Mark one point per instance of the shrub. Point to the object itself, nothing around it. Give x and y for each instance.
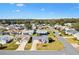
(51, 40)
(30, 41)
(44, 45)
(2, 47)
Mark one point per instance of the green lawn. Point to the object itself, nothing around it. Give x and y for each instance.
(11, 46)
(72, 40)
(51, 46)
(34, 35)
(28, 46)
(1, 35)
(56, 45)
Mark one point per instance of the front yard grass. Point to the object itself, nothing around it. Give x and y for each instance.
(72, 40)
(51, 46)
(1, 35)
(56, 45)
(11, 46)
(28, 46)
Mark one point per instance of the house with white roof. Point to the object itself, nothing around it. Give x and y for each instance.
(28, 32)
(1, 27)
(15, 26)
(33, 26)
(68, 24)
(76, 35)
(71, 32)
(41, 32)
(5, 39)
(59, 27)
(42, 39)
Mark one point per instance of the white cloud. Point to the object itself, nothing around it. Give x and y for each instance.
(20, 4)
(42, 9)
(18, 10)
(12, 3)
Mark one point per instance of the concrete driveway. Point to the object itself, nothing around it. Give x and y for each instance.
(22, 44)
(34, 44)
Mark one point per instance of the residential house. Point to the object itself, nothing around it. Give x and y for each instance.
(42, 39)
(28, 32)
(42, 32)
(76, 35)
(5, 39)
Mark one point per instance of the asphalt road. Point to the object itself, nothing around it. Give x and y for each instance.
(69, 49)
(31, 53)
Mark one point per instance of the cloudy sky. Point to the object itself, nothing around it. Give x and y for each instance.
(39, 10)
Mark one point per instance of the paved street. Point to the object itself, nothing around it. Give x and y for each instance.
(69, 49)
(31, 53)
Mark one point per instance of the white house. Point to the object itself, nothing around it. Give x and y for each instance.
(33, 26)
(60, 27)
(42, 39)
(71, 32)
(68, 24)
(77, 35)
(1, 27)
(15, 26)
(41, 32)
(6, 38)
(29, 32)
(67, 28)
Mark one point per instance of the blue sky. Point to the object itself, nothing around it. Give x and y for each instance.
(39, 10)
